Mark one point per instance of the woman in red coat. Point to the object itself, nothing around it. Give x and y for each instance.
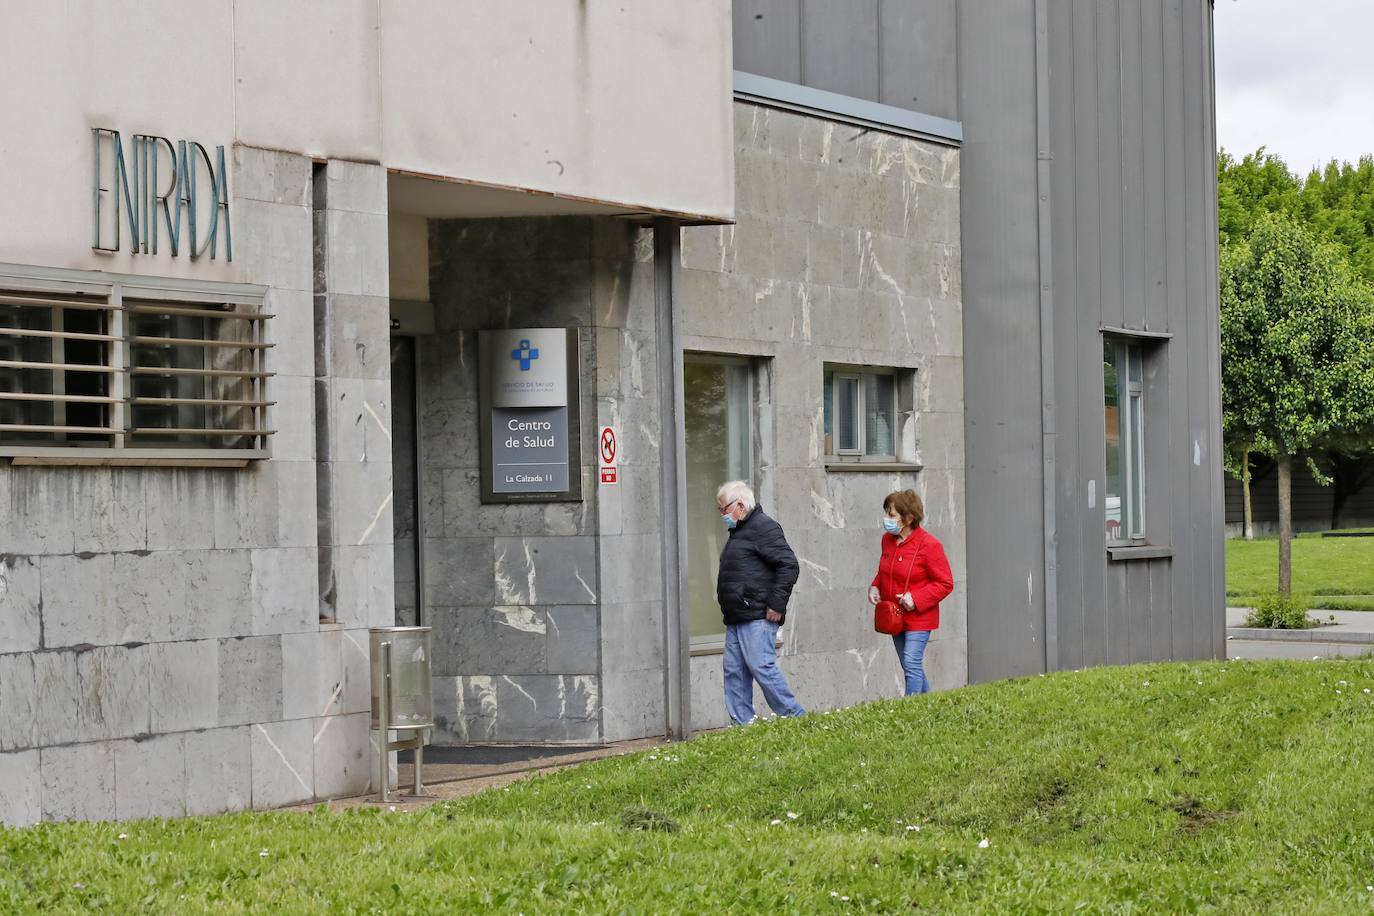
(913, 572)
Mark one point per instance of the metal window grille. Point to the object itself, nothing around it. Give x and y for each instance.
(132, 372)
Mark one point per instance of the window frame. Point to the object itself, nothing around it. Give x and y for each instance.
(1130, 353)
(23, 281)
(831, 373)
(756, 398)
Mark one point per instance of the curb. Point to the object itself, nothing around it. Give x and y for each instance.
(1314, 634)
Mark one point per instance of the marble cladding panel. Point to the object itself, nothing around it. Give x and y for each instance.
(283, 763)
(21, 804)
(221, 761)
(517, 639)
(342, 762)
(151, 777)
(20, 604)
(250, 680)
(77, 782)
(516, 709)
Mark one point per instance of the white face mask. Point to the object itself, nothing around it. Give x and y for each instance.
(891, 525)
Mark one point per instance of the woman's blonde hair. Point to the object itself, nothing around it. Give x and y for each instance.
(908, 505)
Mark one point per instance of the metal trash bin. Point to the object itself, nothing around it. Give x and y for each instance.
(402, 698)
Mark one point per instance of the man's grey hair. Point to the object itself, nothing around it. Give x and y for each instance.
(737, 490)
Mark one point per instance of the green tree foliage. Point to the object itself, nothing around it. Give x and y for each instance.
(1297, 341)
(1338, 203)
(1335, 202)
(1249, 187)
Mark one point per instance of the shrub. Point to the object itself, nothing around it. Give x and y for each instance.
(1281, 612)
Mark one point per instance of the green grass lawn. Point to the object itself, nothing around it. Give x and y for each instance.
(1237, 787)
(1337, 572)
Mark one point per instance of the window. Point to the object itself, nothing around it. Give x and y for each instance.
(1124, 399)
(860, 414)
(131, 371)
(718, 403)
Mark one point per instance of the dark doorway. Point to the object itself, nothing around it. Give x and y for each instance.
(405, 471)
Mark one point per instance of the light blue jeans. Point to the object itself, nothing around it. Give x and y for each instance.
(911, 650)
(750, 655)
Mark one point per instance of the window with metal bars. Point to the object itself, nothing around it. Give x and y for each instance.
(135, 371)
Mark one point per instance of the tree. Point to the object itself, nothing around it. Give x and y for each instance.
(1250, 187)
(1337, 202)
(1297, 347)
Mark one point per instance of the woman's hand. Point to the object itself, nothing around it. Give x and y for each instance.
(873, 595)
(906, 603)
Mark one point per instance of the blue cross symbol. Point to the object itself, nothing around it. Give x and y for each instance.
(525, 354)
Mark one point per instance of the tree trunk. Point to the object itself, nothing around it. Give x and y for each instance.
(1285, 462)
(1245, 490)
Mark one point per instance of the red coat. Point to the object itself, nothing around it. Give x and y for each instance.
(917, 566)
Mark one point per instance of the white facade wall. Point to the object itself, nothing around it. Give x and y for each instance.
(627, 104)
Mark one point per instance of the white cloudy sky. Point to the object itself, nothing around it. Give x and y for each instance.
(1296, 76)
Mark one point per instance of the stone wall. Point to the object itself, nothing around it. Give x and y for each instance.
(161, 651)
(513, 590)
(846, 250)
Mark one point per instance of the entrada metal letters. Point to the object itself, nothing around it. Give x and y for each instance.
(529, 415)
(195, 188)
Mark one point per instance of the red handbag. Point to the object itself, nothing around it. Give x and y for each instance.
(887, 618)
(887, 615)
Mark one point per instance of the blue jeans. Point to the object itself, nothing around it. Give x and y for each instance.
(911, 650)
(750, 656)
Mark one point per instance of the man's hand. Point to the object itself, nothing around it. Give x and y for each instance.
(773, 616)
(874, 596)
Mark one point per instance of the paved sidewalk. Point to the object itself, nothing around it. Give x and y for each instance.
(1352, 634)
(456, 772)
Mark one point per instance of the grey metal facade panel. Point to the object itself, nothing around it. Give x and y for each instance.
(1175, 200)
(768, 38)
(1106, 34)
(1132, 237)
(1001, 328)
(1072, 514)
(839, 46)
(917, 66)
(897, 52)
(1214, 624)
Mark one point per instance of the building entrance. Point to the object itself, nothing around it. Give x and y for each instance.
(405, 475)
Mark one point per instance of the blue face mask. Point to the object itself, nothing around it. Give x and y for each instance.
(729, 521)
(891, 525)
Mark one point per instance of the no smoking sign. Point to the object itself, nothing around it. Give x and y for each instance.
(608, 450)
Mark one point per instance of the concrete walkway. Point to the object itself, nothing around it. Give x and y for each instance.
(455, 772)
(1352, 634)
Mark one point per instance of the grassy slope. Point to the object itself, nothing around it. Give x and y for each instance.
(1337, 572)
(1238, 786)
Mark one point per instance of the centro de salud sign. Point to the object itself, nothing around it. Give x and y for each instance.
(529, 417)
(155, 184)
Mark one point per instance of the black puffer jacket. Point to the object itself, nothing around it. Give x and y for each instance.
(757, 570)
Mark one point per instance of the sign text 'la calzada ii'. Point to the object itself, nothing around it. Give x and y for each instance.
(155, 184)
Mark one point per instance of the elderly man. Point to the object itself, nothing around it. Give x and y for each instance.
(757, 572)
